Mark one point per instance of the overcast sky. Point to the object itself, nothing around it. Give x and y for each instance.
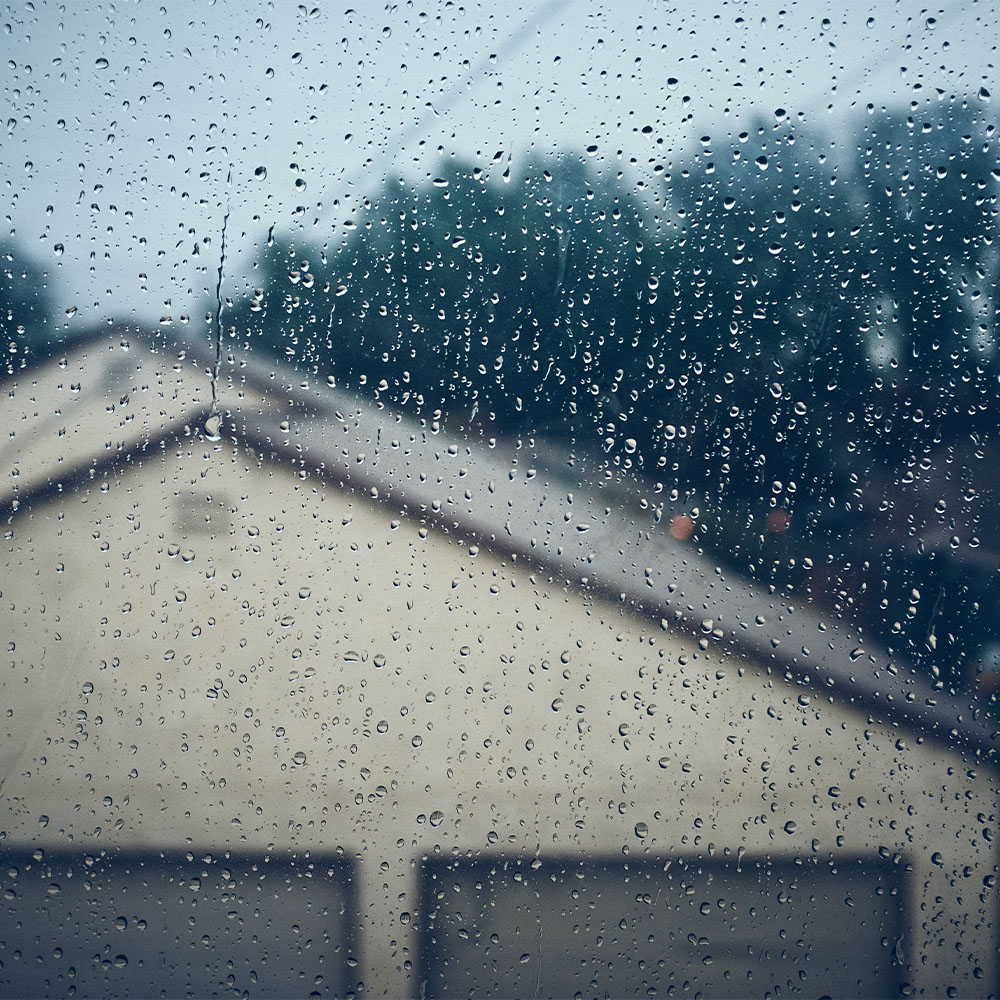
(124, 120)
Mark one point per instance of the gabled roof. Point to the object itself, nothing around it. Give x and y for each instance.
(111, 398)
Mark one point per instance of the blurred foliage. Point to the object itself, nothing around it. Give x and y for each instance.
(25, 306)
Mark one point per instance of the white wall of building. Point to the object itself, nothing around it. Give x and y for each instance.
(208, 651)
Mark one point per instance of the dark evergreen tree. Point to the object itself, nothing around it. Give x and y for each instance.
(25, 306)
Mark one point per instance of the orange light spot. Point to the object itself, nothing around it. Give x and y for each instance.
(681, 527)
(778, 521)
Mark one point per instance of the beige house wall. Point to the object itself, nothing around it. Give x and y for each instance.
(209, 652)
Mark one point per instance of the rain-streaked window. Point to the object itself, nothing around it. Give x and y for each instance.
(498, 500)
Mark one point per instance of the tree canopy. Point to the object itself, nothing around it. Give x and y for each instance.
(25, 305)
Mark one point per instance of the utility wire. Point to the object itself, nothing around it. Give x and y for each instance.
(453, 95)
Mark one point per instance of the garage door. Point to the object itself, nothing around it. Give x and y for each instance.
(174, 925)
(530, 928)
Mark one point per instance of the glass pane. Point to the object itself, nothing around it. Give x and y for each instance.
(486, 471)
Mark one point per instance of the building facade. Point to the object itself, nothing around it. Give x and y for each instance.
(338, 698)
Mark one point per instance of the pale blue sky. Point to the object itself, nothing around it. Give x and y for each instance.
(123, 119)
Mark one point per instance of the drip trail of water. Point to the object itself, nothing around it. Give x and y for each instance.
(213, 424)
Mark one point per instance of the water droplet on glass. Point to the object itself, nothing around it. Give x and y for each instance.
(213, 427)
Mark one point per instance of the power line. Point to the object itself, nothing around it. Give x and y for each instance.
(454, 94)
